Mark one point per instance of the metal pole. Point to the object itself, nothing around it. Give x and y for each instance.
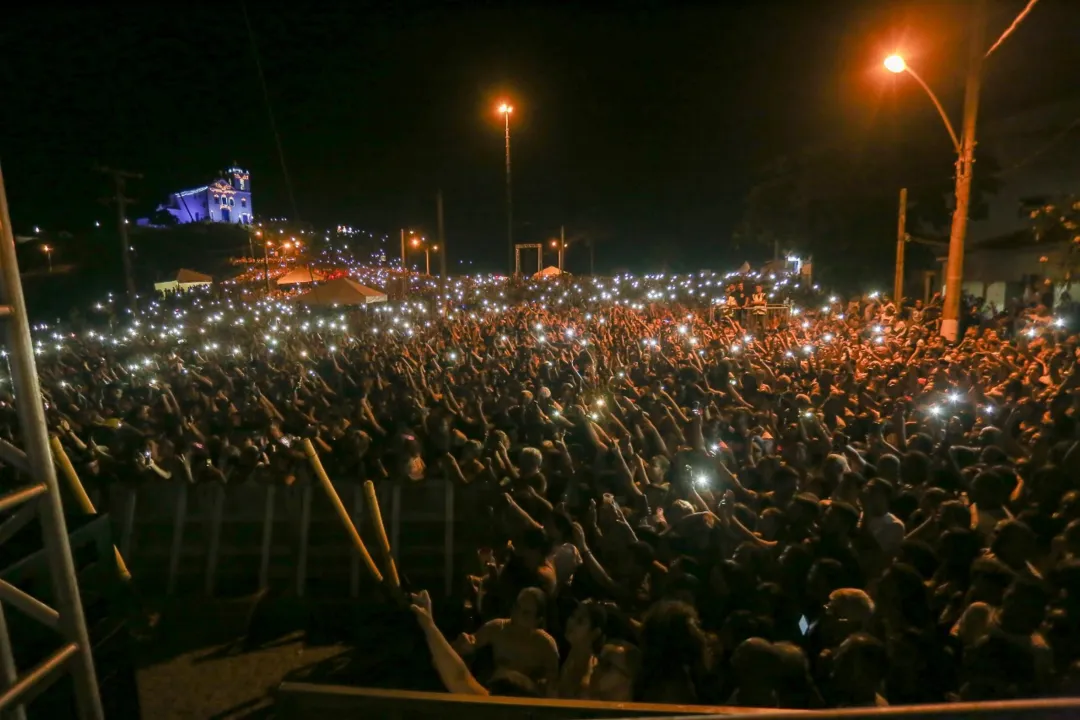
(442, 234)
(427, 261)
(305, 529)
(267, 538)
(402, 249)
(509, 200)
(954, 273)
(177, 546)
(901, 239)
(266, 264)
(562, 245)
(31, 413)
(121, 213)
(8, 670)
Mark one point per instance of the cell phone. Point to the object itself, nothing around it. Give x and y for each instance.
(804, 625)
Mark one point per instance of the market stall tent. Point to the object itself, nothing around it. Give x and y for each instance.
(549, 271)
(185, 279)
(300, 275)
(341, 291)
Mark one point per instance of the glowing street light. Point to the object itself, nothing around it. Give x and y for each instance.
(895, 64)
(505, 109)
(428, 249)
(965, 150)
(47, 249)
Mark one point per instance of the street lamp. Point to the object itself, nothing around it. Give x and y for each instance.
(47, 249)
(965, 150)
(895, 64)
(404, 268)
(506, 109)
(266, 264)
(560, 245)
(419, 242)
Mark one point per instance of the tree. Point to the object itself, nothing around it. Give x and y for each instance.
(839, 205)
(1054, 219)
(163, 218)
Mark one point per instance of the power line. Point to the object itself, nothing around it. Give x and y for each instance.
(269, 109)
(1051, 143)
(1009, 30)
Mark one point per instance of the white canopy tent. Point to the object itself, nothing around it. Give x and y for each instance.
(299, 276)
(341, 291)
(185, 280)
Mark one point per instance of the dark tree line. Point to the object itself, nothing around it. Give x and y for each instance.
(840, 204)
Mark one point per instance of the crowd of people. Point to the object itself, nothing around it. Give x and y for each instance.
(831, 507)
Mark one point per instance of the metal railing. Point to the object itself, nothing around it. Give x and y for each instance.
(303, 700)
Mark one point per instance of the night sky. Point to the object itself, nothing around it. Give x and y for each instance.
(642, 125)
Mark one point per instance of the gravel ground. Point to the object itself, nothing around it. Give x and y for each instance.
(233, 686)
(193, 664)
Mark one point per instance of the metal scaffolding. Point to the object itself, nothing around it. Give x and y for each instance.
(41, 496)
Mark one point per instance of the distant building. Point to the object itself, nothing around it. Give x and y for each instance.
(226, 200)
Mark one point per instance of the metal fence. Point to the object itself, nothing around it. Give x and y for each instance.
(178, 537)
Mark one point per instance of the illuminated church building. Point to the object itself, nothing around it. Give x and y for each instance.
(226, 200)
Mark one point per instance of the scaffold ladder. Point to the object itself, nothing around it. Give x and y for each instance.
(41, 497)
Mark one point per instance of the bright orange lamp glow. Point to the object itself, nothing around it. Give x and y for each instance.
(506, 109)
(895, 64)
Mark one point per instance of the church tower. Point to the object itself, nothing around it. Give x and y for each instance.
(240, 180)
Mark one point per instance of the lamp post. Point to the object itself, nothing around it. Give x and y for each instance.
(427, 253)
(251, 243)
(266, 264)
(560, 244)
(965, 150)
(47, 249)
(506, 109)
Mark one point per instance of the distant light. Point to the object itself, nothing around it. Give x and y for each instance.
(37, 229)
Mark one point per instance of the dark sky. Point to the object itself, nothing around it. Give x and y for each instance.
(643, 122)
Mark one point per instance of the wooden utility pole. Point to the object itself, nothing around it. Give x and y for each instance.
(901, 240)
(120, 178)
(954, 271)
(442, 234)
